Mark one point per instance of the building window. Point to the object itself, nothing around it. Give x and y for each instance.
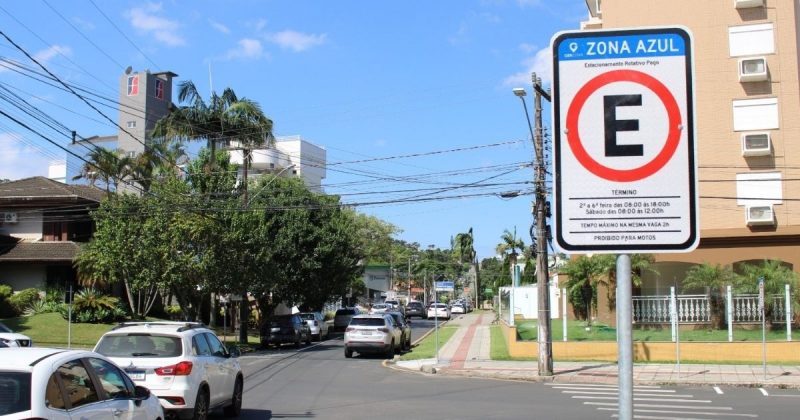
(761, 188)
(755, 114)
(133, 85)
(159, 89)
(131, 124)
(751, 40)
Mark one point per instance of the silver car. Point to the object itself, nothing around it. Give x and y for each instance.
(316, 322)
(377, 333)
(343, 316)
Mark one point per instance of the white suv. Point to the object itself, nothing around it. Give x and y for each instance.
(183, 363)
(378, 333)
(9, 338)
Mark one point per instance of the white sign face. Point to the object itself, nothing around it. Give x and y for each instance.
(624, 149)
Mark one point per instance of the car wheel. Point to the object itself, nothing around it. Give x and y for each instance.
(390, 352)
(348, 353)
(308, 339)
(317, 337)
(297, 342)
(201, 405)
(235, 408)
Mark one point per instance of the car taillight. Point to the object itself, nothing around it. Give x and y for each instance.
(175, 400)
(384, 330)
(316, 323)
(180, 369)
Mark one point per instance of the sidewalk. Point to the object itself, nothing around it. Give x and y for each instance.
(467, 353)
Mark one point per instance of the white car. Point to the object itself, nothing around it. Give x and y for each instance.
(438, 310)
(458, 308)
(379, 308)
(378, 333)
(183, 363)
(9, 338)
(58, 384)
(316, 322)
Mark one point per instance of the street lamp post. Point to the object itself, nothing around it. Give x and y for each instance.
(544, 335)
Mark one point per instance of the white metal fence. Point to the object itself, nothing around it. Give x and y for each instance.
(696, 309)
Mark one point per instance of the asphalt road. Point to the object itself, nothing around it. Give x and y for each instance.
(317, 382)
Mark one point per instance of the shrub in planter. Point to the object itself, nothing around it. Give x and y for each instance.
(22, 300)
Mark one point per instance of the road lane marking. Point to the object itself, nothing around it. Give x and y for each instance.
(575, 388)
(717, 390)
(704, 407)
(591, 397)
(763, 391)
(697, 413)
(557, 384)
(641, 394)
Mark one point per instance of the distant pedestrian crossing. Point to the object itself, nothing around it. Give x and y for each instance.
(650, 402)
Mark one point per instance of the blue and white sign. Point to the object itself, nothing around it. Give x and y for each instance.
(624, 148)
(444, 286)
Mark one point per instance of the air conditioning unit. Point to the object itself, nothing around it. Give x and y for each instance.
(759, 215)
(756, 144)
(9, 217)
(746, 4)
(753, 69)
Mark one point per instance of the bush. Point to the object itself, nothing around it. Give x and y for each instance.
(22, 300)
(91, 306)
(6, 310)
(41, 307)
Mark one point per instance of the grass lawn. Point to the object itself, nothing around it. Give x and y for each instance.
(576, 331)
(498, 349)
(50, 330)
(426, 349)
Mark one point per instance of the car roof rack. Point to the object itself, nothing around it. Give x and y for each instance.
(182, 326)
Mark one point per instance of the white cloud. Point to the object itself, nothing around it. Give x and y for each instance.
(18, 160)
(540, 63)
(296, 41)
(219, 27)
(528, 48)
(147, 20)
(47, 54)
(246, 48)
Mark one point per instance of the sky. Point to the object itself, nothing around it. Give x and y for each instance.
(412, 100)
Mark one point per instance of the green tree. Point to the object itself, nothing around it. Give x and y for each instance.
(711, 279)
(106, 166)
(776, 275)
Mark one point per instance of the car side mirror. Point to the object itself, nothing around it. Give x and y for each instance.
(235, 352)
(140, 393)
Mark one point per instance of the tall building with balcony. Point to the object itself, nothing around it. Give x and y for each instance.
(747, 97)
(290, 156)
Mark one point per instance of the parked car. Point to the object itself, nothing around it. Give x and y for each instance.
(405, 329)
(183, 363)
(317, 325)
(60, 384)
(395, 304)
(376, 333)
(11, 339)
(343, 316)
(458, 308)
(438, 310)
(280, 329)
(415, 309)
(379, 308)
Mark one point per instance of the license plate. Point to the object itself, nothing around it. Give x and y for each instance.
(366, 332)
(136, 375)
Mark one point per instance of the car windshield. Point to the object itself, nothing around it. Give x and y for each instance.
(139, 345)
(345, 312)
(438, 305)
(15, 392)
(4, 329)
(371, 322)
(414, 305)
(281, 320)
(309, 317)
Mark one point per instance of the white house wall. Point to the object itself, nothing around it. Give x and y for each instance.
(28, 226)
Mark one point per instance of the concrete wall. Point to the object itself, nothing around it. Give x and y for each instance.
(24, 276)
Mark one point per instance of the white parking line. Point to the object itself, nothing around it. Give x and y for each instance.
(575, 388)
(717, 390)
(641, 394)
(704, 407)
(697, 413)
(660, 418)
(589, 397)
(763, 391)
(557, 384)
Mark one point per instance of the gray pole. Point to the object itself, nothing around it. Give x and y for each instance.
(625, 344)
(544, 335)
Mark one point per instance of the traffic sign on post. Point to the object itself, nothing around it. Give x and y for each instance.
(624, 143)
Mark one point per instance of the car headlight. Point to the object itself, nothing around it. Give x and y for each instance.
(4, 341)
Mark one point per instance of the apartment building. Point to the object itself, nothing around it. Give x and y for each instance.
(747, 124)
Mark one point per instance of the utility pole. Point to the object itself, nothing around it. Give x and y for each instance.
(539, 229)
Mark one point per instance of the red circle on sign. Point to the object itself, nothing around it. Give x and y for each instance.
(624, 175)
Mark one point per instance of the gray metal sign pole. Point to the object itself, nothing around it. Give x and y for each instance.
(625, 334)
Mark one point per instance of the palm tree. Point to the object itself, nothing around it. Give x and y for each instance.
(161, 156)
(510, 243)
(775, 274)
(584, 274)
(104, 165)
(224, 117)
(465, 242)
(711, 278)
